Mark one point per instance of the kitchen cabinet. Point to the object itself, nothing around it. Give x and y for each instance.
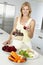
(37, 41)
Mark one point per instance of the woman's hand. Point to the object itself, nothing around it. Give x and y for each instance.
(6, 42)
(26, 28)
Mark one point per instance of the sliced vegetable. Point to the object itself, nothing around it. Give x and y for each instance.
(23, 53)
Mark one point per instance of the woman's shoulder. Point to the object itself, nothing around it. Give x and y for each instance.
(17, 18)
(33, 21)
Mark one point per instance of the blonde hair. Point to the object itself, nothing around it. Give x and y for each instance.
(26, 4)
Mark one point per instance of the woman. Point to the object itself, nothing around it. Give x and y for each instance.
(25, 24)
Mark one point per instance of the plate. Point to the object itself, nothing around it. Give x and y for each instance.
(34, 54)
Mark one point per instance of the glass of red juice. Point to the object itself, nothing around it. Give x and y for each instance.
(26, 27)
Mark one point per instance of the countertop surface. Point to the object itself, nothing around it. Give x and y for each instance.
(4, 55)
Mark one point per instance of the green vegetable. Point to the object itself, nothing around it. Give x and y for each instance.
(24, 53)
(21, 52)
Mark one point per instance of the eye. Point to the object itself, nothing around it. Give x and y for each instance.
(23, 9)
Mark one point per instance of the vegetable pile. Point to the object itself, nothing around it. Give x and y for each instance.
(16, 58)
(26, 53)
(23, 53)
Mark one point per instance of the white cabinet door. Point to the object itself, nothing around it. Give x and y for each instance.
(37, 41)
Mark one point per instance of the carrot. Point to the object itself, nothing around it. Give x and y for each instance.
(19, 61)
(15, 55)
(12, 59)
(22, 60)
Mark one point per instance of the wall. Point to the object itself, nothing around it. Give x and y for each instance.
(37, 9)
(38, 14)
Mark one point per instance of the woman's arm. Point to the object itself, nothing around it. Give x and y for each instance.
(31, 30)
(14, 28)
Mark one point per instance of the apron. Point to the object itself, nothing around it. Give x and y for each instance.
(26, 42)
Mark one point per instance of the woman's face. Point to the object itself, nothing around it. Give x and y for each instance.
(25, 11)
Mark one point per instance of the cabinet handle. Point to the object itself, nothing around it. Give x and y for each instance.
(39, 48)
(40, 37)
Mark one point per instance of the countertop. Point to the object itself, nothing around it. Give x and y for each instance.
(4, 55)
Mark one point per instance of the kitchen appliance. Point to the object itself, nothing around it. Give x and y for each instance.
(7, 12)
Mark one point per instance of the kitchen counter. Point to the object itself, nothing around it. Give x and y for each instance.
(4, 55)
